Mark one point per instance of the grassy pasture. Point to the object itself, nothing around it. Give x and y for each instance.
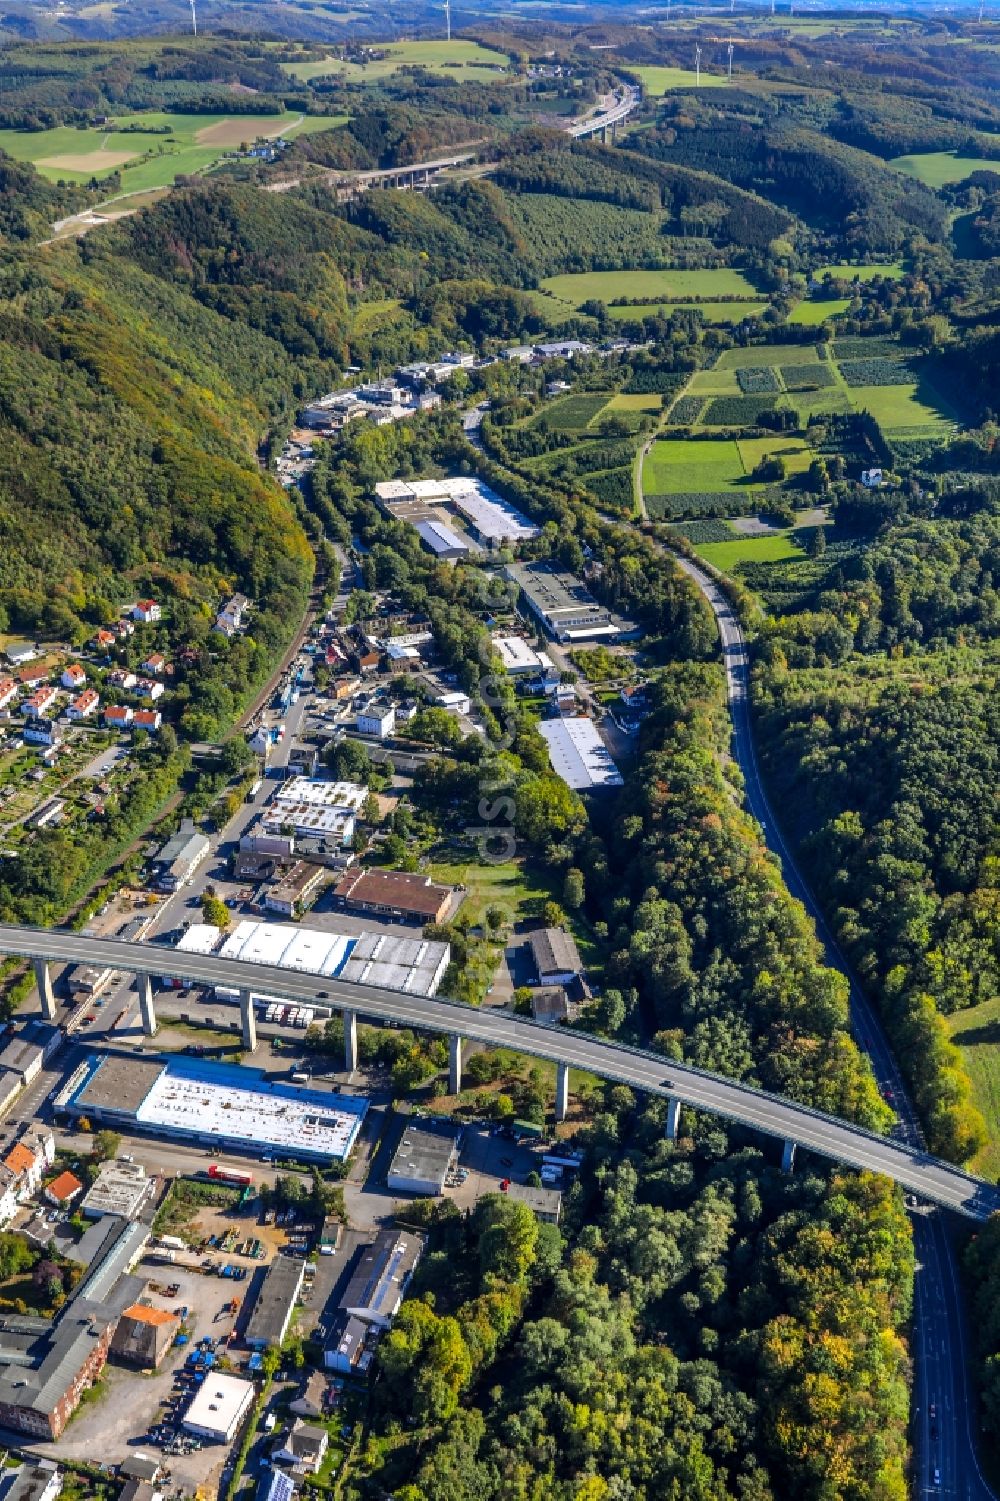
(712, 312)
(677, 466)
(811, 314)
(767, 354)
(771, 549)
(462, 60)
(191, 143)
(938, 168)
(656, 81)
(795, 451)
(578, 287)
(841, 271)
(903, 410)
(976, 1033)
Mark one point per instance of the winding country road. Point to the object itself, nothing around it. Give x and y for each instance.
(943, 1432)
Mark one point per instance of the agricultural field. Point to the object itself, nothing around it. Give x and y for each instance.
(158, 145)
(576, 288)
(712, 312)
(795, 452)
(976, 1032)
(461, 60)
(904, 411)
(812, 313)
(574, 413)
(657, 81)
(635, 403)
(935, 169)
(725, 556)
(769, 354)
(841, 271)
(676, 466)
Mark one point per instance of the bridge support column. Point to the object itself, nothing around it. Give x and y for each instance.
(604, 134)
(454, 1064)
(788, 1157)
(673, 1118)
(350, 1041)
(562, 1091)
(144, 987)
(43, 979)
(248, 1022)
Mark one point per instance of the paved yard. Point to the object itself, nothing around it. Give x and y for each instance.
(113, 1426)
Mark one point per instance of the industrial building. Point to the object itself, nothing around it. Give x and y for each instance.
(442, 540)
(565, 606)
(578, 754)
(545, 1203)
(120, 1188)
(521, 660)
(378, 1285)
(217, 1104)
(47, 1364)
(144, 1336)
(297, 888)
(557, 958)
(180, 857)
(275, 1304)
(219, 1407)
(422, 1161)
(31, 1482)
(393, 893)
(492, 520)
(315, 808)
(415, 966)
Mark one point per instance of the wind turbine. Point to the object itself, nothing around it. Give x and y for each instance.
(697, 64)
(730, 62)
(982, 7)
(447, 16)
(194, 18)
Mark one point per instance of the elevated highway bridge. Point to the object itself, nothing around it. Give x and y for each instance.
(793, 1124)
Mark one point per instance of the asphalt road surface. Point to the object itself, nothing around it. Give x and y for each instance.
(944, 1442)
(922, 1174)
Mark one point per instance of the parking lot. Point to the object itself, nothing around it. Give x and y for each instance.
(116, 1423)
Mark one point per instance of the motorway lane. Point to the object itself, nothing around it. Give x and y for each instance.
(936, 1181)
(944, 1443)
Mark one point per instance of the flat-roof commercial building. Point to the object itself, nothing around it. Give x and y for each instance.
(120, 1188)
(564, 605)
(493, 521)
(219, 1407)
(382, 1275)
(393, 961)
(578, 754)
(422, 1161)
(393, 893)
(520, 659)
(217, 1104)
(546, 1203)
(317, 809)
(272, 1312)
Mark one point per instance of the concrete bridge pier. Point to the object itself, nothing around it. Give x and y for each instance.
(454, 1064)
(788, 1157)
(350, 1041)
(673, 1118)
(144, 987)
(604, 134)
(248, 1021)
(43, 979)
(562, 1091)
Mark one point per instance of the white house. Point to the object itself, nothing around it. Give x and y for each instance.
(84, 706)
(148, 720)
(146, 611)
(73, 676)
(149, 688)
(40, 700)
(155, 663)
(8, 691)
(454, 703)
(377, 721)
(118, 716)
(872, 479)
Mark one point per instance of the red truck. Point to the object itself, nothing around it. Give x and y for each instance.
(230, 1175)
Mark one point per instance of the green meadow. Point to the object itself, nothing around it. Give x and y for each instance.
(712, 312)
(462, 60)
(577, 287)
(774, 548)
(173, 144)
(657, 81)
(811, 314)
(938, 168)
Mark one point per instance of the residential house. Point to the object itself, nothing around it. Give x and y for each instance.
(149, 688)
(144, 1336)
(103, 641)
(310, 1402)
(42, 731)
(28, 1160)
(73, 676)
(33, 676)
(42, 699)
(377, 721)
(155, 664)
(63, 1190)
(123, 629)
(146, 611)
(230, 618)
(85, 705)
(118, 716)
(122, 677)
(8, 691)
(303, 1447)
(38, 1481)
(19, 652)
(148, 720)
